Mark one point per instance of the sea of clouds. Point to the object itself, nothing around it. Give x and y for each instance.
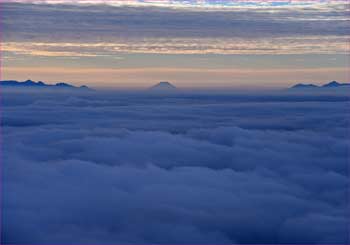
(133, 168)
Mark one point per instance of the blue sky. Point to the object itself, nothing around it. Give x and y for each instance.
(191, 43)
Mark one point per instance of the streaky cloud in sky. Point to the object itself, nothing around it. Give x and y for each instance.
(162, 30)
(279, 45)
(191, 3)
(119, 34)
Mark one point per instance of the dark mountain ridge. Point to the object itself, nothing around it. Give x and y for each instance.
(333, 84)
(39, 84)
(163, 86)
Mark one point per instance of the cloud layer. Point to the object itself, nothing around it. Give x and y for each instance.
(95, 30)
(193, 168)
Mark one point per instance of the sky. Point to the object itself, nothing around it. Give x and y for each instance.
(211, 44)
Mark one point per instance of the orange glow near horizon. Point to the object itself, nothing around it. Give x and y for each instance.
(182, 77)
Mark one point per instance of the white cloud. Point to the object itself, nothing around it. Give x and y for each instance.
(66, 30)
(286, 45)
(191, 168)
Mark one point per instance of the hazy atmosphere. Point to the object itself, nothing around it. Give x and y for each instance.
(175, 122)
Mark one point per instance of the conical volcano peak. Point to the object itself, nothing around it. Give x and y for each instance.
(163, 86)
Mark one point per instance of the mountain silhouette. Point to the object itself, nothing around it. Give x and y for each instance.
(303, 86)
(163, 86)
(335, 84)
(330, 85)
(39, 84)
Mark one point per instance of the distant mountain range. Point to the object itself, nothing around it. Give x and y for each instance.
(330, 85)
(163, 87)
(40, 84)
